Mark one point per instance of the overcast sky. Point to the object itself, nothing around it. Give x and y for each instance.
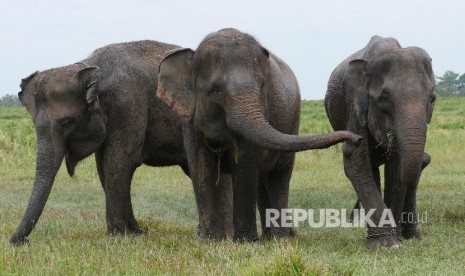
(311, 36)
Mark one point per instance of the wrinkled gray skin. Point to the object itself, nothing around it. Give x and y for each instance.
(241, 108)
(384, 93)
(105, 105)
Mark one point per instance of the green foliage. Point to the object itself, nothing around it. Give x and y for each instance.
(71, 239)
(451, 84)
(9, 101)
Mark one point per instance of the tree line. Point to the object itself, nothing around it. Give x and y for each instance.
(9, 101)
(450, 84)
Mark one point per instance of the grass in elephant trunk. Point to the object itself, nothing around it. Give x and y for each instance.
(71, 236)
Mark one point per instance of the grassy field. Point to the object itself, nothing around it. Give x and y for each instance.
(71, 235)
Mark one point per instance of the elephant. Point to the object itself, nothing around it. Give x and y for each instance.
(384, 93)
(240, 107)
(105, 104)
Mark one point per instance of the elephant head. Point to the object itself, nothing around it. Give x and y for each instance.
(223, 88)
(394, 97)
(64, 106)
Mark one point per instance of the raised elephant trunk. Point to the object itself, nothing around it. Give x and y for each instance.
(247, 119)
(49, 158)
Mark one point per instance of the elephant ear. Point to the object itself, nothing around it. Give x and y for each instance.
(266, 52)
(176, 84)
(23, 84)
(356, 79)
(89, 78)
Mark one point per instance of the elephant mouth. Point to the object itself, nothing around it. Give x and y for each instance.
(216, 146)
(70, 163)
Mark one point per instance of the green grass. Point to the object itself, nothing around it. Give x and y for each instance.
(71, 235)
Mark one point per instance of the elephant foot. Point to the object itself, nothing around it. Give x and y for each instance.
(212, 234)
(125, 228)
(245, 236)
(249, 239)
(282, 232)
(411, 231)
(382, 237)
(19, 240)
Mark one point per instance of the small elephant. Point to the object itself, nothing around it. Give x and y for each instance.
(384, 93)
(105, 105)
(240, 105)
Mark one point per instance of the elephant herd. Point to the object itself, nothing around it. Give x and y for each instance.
(228, 114)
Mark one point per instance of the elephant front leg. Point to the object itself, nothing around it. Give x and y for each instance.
(358, 169)
(213, 191)
(116, 168)
(394, 192)
(119, 212)
(208, 189)
(357, 205)
(226, 204)
(245, 178)
(225, 228)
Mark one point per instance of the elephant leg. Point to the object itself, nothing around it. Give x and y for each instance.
(263, 202)
(245, 179)
(121, 156)
(225, 186)
(273, 193)
(410, 228)
(359, 170)
(119, 211)
(358, 206)
(225, 208)
(225, 195)
(394, 191)
(213, 196)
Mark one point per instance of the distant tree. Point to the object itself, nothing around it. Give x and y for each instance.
(461, 82)
(451, 84)
(10, 100)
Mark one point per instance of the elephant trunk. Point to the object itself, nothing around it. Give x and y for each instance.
(411, 145)
(50, 154)
(244, 116)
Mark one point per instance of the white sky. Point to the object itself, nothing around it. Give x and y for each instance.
(311, 36)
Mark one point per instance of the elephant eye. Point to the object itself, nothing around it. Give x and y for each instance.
(67, 122)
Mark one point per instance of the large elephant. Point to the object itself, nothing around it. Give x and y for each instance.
(384, 93)
(241, 108)
(105, 105)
